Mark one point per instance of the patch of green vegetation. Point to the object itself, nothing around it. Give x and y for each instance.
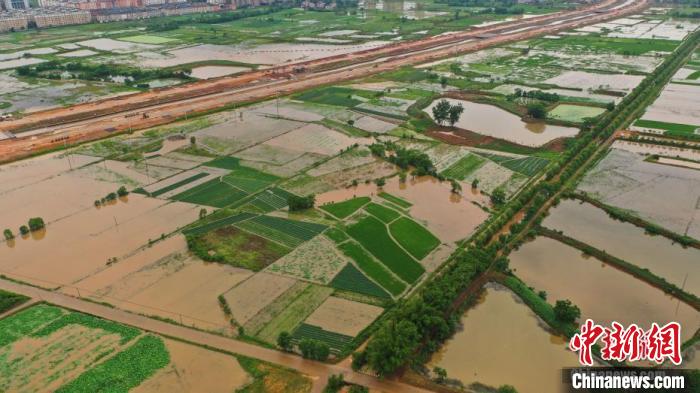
(9, 300)
(214, 193)
(5, 104)
(294, 314)
(337, 235)
(224, 162)
(395, 200)
(333, 95)
(24, 322)
(346, 208)
(575, 113)
(383, 213)
(621, 46)
(462, 168)
(235, 247)
(372, 234)
(372, 268)
(351, 279)
(672, 127)
(125, 370)
(336, 341)
(528, 166)
(178, 184)
(218, 223)
(127, 333)
(147, 39)
(413, 237)
(270, 378)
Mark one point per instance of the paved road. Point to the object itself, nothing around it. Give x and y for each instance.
(319, 372)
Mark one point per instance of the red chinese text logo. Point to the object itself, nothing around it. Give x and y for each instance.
(628, 344)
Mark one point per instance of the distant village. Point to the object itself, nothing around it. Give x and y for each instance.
(17, 15)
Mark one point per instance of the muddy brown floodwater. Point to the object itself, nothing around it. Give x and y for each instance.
(449, 216)
(602, 292)
(503, 342)
(660, 255)
(496, 122)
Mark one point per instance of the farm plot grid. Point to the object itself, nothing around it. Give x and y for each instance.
(528, 166)
(287, 232)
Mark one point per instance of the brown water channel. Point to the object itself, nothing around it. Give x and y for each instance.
(587, 223)
(504, 342)
(603, 293)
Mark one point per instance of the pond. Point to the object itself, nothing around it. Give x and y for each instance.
(493, 121)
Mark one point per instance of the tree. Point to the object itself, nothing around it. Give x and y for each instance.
(498, 197)
(297, 203)
(358, 389)
(351, 122)
(542, 294)
(36, 223)
(475, 183)
(441, 111)
(380, 182)
(314, 349)
(335, 383)
(193, 140)
(454, 114)
(202, 213)
(402, 177)
(24, 229)
(536, 110)
(122, 192)
(359, 359)
(284, 341)
(456, 187)
(566, 312)
(440, 374)
(443, 81)
(506, 389)
(8, 234)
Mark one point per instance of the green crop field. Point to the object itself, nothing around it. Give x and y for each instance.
(273, 234)
(299, 229)
(336, 235)
(338, 96)
(270, 200)
(345, 208)
(224, 162)
(395, 200)
(237, 247)
(671, 127)
(575, 113)
(372, 268)
(129, 367)
(372, 234)
(295, 313)
(351, 279)
(10, 300)
(528, 166)
(147, 39)
(335, 341)
(125, 370)
(622, 46)
(178, 184)
(220, 223)
(212, 193)
(462, 168)
(413, 237)
(383, 213)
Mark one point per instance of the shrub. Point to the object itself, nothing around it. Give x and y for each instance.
(297, 203)
(314, 349)
(8, 234)
(36, 223)
(24, 229)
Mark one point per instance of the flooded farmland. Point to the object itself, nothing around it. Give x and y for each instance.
(602, 292)
(449, 216)
(501, 333)
(593, 226)
(208, 72)
(493, 121)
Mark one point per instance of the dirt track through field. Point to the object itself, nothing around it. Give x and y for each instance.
(319, 372)
(101, 119)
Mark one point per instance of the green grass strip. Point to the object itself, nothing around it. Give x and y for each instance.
(661, 125)
(395, 200)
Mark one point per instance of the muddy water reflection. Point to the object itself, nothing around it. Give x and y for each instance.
(603, 293)
(503, 342)
(585, 222)
(449, 216)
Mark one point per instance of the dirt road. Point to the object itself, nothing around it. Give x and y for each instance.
(100, 125)
(319, 372)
